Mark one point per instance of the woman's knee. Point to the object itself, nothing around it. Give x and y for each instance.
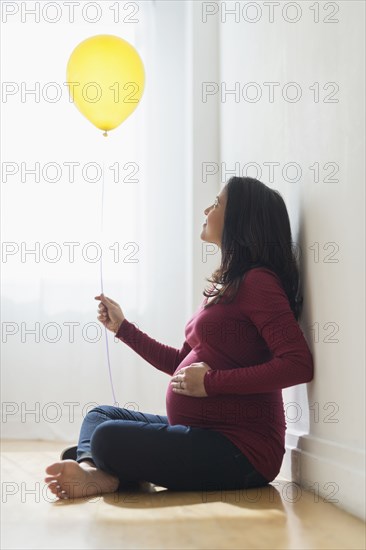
(100, 409)
(99, 414)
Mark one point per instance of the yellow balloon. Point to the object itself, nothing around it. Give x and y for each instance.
(106, 79)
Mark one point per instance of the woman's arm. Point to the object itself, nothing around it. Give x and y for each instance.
(264, 301)
(164, 358)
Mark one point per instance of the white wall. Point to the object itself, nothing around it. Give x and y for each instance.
(325, 447)
(203, 134)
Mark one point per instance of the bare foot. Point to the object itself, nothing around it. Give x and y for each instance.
(69, 479)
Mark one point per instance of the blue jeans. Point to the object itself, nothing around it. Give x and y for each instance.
(137, 446)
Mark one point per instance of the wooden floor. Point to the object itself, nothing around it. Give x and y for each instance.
(278, 516)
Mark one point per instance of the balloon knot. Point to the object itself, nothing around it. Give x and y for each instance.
(105, 134)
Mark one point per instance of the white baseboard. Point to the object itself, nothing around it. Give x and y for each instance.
(334, 473)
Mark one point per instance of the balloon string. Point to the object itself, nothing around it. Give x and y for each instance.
(101, 286)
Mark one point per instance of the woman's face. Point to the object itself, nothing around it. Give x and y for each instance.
(212, 229)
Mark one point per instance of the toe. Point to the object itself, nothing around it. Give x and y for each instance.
(51, 478)
(62, 494)
(57, 490)
(54, 468)
(53, 487)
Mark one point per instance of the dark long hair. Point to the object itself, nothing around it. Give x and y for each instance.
(256, 233)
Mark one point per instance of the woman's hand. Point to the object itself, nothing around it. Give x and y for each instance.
(189, 380)
(110, 314)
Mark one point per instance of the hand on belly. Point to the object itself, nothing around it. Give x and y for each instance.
(189, 380)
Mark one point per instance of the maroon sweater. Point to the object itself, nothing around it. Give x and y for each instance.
(255, 347)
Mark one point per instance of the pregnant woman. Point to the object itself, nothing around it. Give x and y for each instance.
(225, 424)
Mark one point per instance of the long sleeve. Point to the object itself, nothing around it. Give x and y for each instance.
(164, 358)
(264, 302)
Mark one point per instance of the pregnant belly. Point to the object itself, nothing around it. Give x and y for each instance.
(252, 412)
(184, 409)
(194, 411)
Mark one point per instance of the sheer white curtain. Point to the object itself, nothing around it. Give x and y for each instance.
(54, 365)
